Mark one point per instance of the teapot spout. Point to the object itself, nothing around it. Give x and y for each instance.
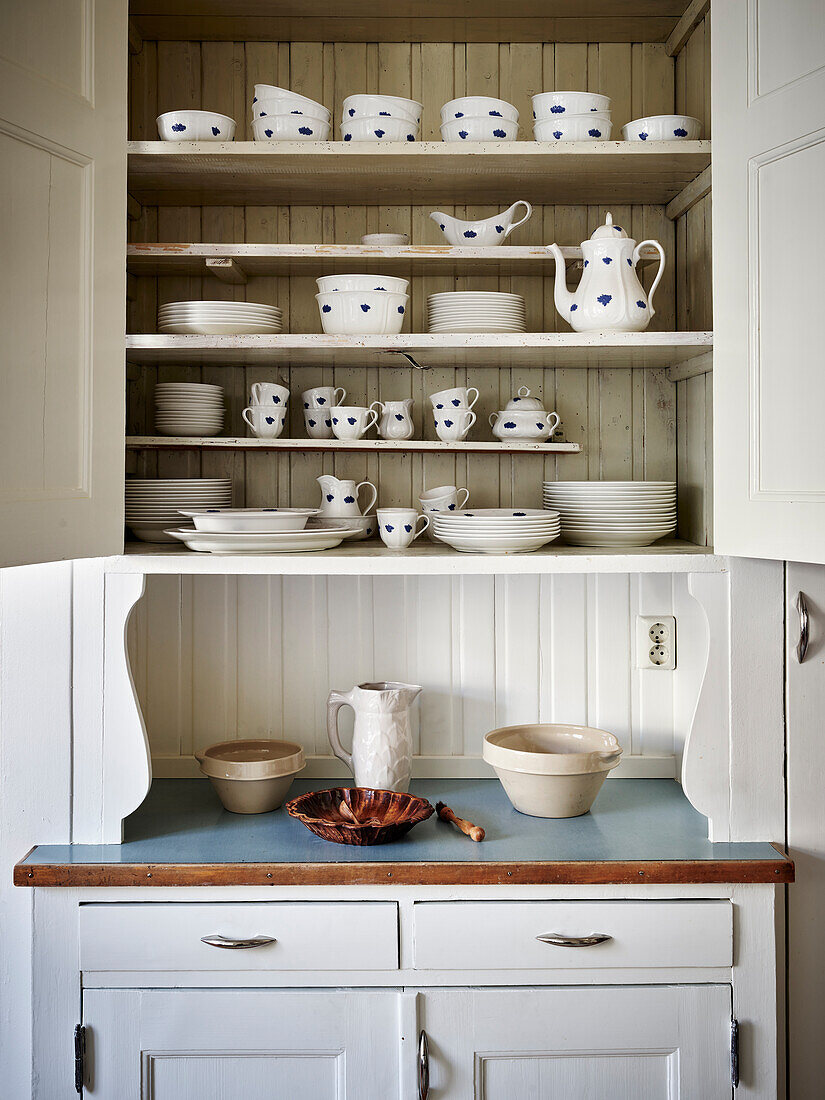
(561, 295)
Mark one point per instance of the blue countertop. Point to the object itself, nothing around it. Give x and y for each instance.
(182, 835)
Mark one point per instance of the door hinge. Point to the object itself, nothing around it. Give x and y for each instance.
(79, 1057)
(734, 1053)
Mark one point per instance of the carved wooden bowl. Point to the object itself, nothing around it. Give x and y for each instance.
(359, 815)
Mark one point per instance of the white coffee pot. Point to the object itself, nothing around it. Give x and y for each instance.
(485, 231)
(610, 297)
(339, 497)
(382, 745)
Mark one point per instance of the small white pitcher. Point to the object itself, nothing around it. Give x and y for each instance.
(382, 745)
(340, 498)
(395, 418)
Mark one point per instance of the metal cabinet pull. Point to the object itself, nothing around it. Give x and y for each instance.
(423, 1066)
(235, 945)
(802, 644)
(558, 940)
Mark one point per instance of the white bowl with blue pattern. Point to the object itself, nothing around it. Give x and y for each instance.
(663, 128)
(558, 104)
(378, 128)
(471, 106)
(381, 106)
(596, 127)
(362, 312)
(195, 126)
(290, 128)
(479, 128)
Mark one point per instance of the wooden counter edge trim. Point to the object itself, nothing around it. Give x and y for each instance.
(571, 872)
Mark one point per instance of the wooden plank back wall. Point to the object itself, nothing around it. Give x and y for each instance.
(694, 308)
(625, 420)
(215, 658)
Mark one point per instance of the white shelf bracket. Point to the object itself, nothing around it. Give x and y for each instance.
(226, 269)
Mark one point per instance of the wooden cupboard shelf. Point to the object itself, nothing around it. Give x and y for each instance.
(399, 173)
(524, 349)
(371, 556)
(408, 446)
(409, 21)
(321, 259)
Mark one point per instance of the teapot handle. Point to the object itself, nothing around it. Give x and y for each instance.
(659, 273)
(515, 225)
(336, 700)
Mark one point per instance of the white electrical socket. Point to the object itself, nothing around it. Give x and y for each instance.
(656, 642)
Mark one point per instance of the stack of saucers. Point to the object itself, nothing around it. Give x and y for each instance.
(188, 408)
(153, 504)
(219, 318)
(476, 311)
(496, 530)
(613, 513)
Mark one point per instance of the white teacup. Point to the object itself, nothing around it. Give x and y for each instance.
(318, 423)
(399, 526)
(323, 397)
(456, 398)
(265, 421)
(454, 426)
(443, 499)
(268, 393)
(352, 421)
(385, 240)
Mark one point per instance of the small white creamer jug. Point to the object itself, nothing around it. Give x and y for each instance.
(395, 418)
(382, 746)
(339, 497)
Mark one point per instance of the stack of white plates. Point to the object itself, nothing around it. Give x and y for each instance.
(153, 504)
(188, 408)
(613, 513)
(296, 533)
(219, 318)
(496, 530)
(476, 311)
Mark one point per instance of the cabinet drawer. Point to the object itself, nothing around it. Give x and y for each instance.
(308, 936)
(503, 935)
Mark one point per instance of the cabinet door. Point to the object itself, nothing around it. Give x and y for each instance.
(63, 67)
(233, 1044)
(659, 1042)
(768, 94)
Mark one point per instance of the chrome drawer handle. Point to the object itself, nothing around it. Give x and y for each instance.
(423, 1066)
(804, 627)
(558, 940)
(235, 945)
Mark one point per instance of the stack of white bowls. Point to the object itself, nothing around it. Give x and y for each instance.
(362, 305)
(479, 118)
(153, 504)
(475, 311)
(188, 408)
(380, 118)
(281, 115)
(496, 530)
(571, 116)
(613, 513)
(219, 318)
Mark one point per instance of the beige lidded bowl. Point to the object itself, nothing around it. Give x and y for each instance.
(551, 770)
(253, 776)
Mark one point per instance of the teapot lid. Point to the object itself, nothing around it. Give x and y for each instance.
(608, 230)
(523, 400)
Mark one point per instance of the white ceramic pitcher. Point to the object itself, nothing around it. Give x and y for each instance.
(381, 754)
(339, 497)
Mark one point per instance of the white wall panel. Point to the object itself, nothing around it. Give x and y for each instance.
(257, 656)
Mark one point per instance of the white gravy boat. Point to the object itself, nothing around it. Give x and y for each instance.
(487, 231)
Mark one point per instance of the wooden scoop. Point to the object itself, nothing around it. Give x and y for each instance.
(474, 832)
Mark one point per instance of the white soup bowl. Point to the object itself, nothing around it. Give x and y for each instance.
(362, 313)
(290, 128)
(195, 126)
(479, 128)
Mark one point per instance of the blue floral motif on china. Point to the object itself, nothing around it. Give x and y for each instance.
(379, 133)
(441, 225)
(495, 114)
(178, 127)
(305, 130)
(448, 423)
(270, 419)
(555, 110)
(387, 113)
(388, 527)
(540, 427)
(410, 137)
(365, 307)
(594, 132)
(455, 402)
(558, 134)
(379, 288)
(269, 509)
(586, 262)
(459, 114)
(407, 528)
(311, 423)
(470, 233)
(322, 401)
(210, 510)
(349, 500)
(400, 309)
(276, 400)
(326, 308)
(607, 259)
(215, 131)
(680, 132)
(573, 308)
(450, 507)
(499, 133)
(268, 133)
(640, 304)
(618, 228)
(351, 420)
(254, 99)
(439, 406)
(296, 112)
(369, 530)
(642, 136)
(351, 112)
(329, 423)
(306, 404)
(629, 262)
(509, 424)
(335, 420)
(347, 137)
(463, 134)
(499, 229)
(605, 298)
(398, 416)
(521, 513)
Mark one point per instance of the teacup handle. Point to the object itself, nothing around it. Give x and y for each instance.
(471, 419)
(371, 412)
(515, 225)
(366, 511)
(553, 421)
(336, 400)
(492, 418)
(466, 493)
(336, 700)
(471, 389)
(424, 528)
(254, 392)
(380, 405)
(636, 253)
(246, 418)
